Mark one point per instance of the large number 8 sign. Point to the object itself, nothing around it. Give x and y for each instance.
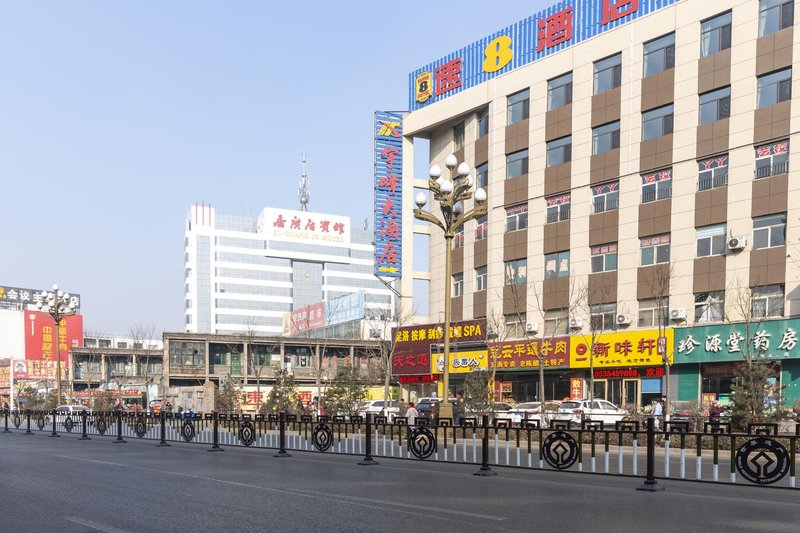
(497, 54)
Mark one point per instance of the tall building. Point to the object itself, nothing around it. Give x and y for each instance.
(616, 138)
(246, 273)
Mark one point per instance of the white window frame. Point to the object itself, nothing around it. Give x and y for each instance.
(712, 177)
(656, 244)
(772, 159)
(605, 197)
(516, 272)
(558, 208)
(458, 285)
(716, 235)
(516, 217)
(481, 278)
(556, 322)
(709, 307)
(773, 227)
(608, 255)
(603, 317)
(767, 301)
(648, 313)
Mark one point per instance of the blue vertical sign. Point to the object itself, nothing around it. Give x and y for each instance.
(388, 194)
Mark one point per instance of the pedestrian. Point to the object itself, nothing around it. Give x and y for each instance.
(715, 412)
(658, 412)
(411, 413)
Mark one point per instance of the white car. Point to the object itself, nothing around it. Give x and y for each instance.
(532, 410)
(595, 410)
(376, 407)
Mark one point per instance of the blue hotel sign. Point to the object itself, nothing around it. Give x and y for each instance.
(551, 30)
(388, 129)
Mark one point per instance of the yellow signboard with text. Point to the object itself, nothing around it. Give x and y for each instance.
(621, 349)
(461, 362)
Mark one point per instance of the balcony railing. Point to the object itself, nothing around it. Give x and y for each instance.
(603, 205)
(660, 194)
(705, 184)
(772, 170)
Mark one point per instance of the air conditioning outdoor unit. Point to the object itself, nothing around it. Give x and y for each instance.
(575, 322)
(491, 331)
(532, 327)
(623, 320)
(677, 314)
(737, 243)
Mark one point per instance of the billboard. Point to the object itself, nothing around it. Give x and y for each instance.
(525, 354)
(303, 227)
(765, 340)
(19, 298)
(344, 308)
(43, 343)
(635, 348)
(388, 131)
(411, 354)
(553, 29)
(304, 319)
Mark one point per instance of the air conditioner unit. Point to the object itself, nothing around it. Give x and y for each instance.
(532, 327)
(623, 320)
(737, 243)
(575, 322)
(491, 331)
(677, 314)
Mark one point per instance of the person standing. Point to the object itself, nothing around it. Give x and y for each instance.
(411, 413)
(658, 413)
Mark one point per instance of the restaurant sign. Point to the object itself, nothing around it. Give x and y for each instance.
(411, 354)
(635, 348)
(526, 354)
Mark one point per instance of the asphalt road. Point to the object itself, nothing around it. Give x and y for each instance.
(63, 484)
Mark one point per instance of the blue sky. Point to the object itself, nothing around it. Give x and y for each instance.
(118, 116)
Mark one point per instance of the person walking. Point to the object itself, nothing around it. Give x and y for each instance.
(658, 413)
(411, 413)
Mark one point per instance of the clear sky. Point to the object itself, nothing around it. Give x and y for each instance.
(116, 117)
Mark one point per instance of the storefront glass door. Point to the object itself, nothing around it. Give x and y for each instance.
(631, 387)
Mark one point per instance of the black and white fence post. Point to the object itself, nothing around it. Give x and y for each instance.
(650, 484)
(163, 441)
(485, 468)
(28, 431)
(282, 451)
(119, 439)
(84, 436)
(368, 460)
(5, 415)
(54, 434)
(215, 423)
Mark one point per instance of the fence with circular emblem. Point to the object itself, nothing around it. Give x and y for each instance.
(421, 442)
(247, 433)
(762, 461)
(560, 450)
(322, 437)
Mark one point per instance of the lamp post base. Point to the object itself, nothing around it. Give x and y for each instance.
(446, 410)
(650, 486)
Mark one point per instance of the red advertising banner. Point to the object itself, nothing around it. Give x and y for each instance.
(307, 319)
(576, 388)
(412, 344)
(525, 355)
(43, 342)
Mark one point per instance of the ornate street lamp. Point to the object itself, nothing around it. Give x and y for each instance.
(57, 304)
(451, 196)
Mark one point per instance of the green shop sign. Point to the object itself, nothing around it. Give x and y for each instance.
(768, 340)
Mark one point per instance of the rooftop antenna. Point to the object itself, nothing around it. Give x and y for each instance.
(304, 191)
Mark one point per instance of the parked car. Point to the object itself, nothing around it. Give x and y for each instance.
(376, 407)
(71, 409)
(595, 410)
(430, 407)
(532, 410)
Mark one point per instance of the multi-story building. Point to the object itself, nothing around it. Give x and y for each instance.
(637, 156)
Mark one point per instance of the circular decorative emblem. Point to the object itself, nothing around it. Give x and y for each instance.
(17, 421)
(322, 438)
(762, 461)
(187, 431)
(421, 442)
(69, 424)
(40, 422)
(101, 425)
(140, 428)
(247, 433)
(560, 450)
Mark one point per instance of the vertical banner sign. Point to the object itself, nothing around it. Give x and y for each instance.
(388, 194)
(41, 338)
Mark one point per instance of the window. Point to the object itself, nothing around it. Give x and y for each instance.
(774, 15)
(657, 186)
(559, 92)
(715, 105)
(605, 197)
(769, 231)
(558, 208)
(604, 258)
(516, 164)
(767, 301)
(458, 237)
(655, 250)
(607, 74)
(709, 306)
(483, 122)
(458, 136)
(481, 279)
(772, 159)
(774, 87)
(556, 322)
(482, 176)
(605, 138)
(657, 122)
(122, 345)
(648, 313)
(516, 271)
(104, 343)
(556, 265)
(458, 285)
(712, 173)
(518, 106)
(515, 325)
(516, 217)
(715, 34)
(482, 229)
(659, 55)
(711, 240)
(559, 151)
(604, 317)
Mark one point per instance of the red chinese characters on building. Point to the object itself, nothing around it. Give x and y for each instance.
(412, 344)
(527, 355)
(555, 29)
(616, 9)
(448, 76)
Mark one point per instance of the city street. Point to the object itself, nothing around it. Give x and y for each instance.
(63, 484)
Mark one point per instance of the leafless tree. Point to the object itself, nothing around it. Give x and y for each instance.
(151, 360)
(659, 281)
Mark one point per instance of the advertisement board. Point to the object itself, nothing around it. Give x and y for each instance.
(765, 340)
(303, 227)
(344, 308)
(412, 344)
(526, 354)
(461, 361)
(621, 349)
(388, 129)
(43, 343)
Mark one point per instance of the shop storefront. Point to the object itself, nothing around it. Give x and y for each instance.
(517, 369)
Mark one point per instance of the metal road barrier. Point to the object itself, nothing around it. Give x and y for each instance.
(761, 456)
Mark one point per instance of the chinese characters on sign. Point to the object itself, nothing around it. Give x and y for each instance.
(775, 339)
(19, 299)
(303, 226)
(412, 344)
(388, 194)
(637, 348)
(526, 355)
(305, 319)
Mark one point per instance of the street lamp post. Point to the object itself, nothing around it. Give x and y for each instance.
(57, 304)
(451, 196)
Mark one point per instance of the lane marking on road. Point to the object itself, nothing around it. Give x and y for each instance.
(94, 525)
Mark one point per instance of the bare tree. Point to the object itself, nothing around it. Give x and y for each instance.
(91, 366)
(257, 352)
(151, 364)
(589, 301)
(381, 328)
(659, 283)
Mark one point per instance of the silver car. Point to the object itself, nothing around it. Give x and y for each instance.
(594, 410)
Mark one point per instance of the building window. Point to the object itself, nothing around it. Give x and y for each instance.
(659, 55)
(515, 325)
(715, 105)
(709, 306)
(517, 164)
(604, 258)
(715, 34)
(482, 176)
(559, 91)
(482, 229)
(648, 313)
(559, 151)
(712, 173)
(558, 208)
(556, 322)
(769, 231)
(458, 237)
(774, 15)
(772, 159)
(483, 122)
(711, 240)
(604, 317)
(104, 343)
(458, 136)
(518, 106)
(607, 74)
(657, 122)
(774, 87)
(767, 301)
(458, 285)
(605, 197)
(655, 250)
(516, 217)
(605, 138)
(556, 265)
(481, 278)
(516, 271)
(657, 186)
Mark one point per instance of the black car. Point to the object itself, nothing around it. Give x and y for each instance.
(431, 409)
